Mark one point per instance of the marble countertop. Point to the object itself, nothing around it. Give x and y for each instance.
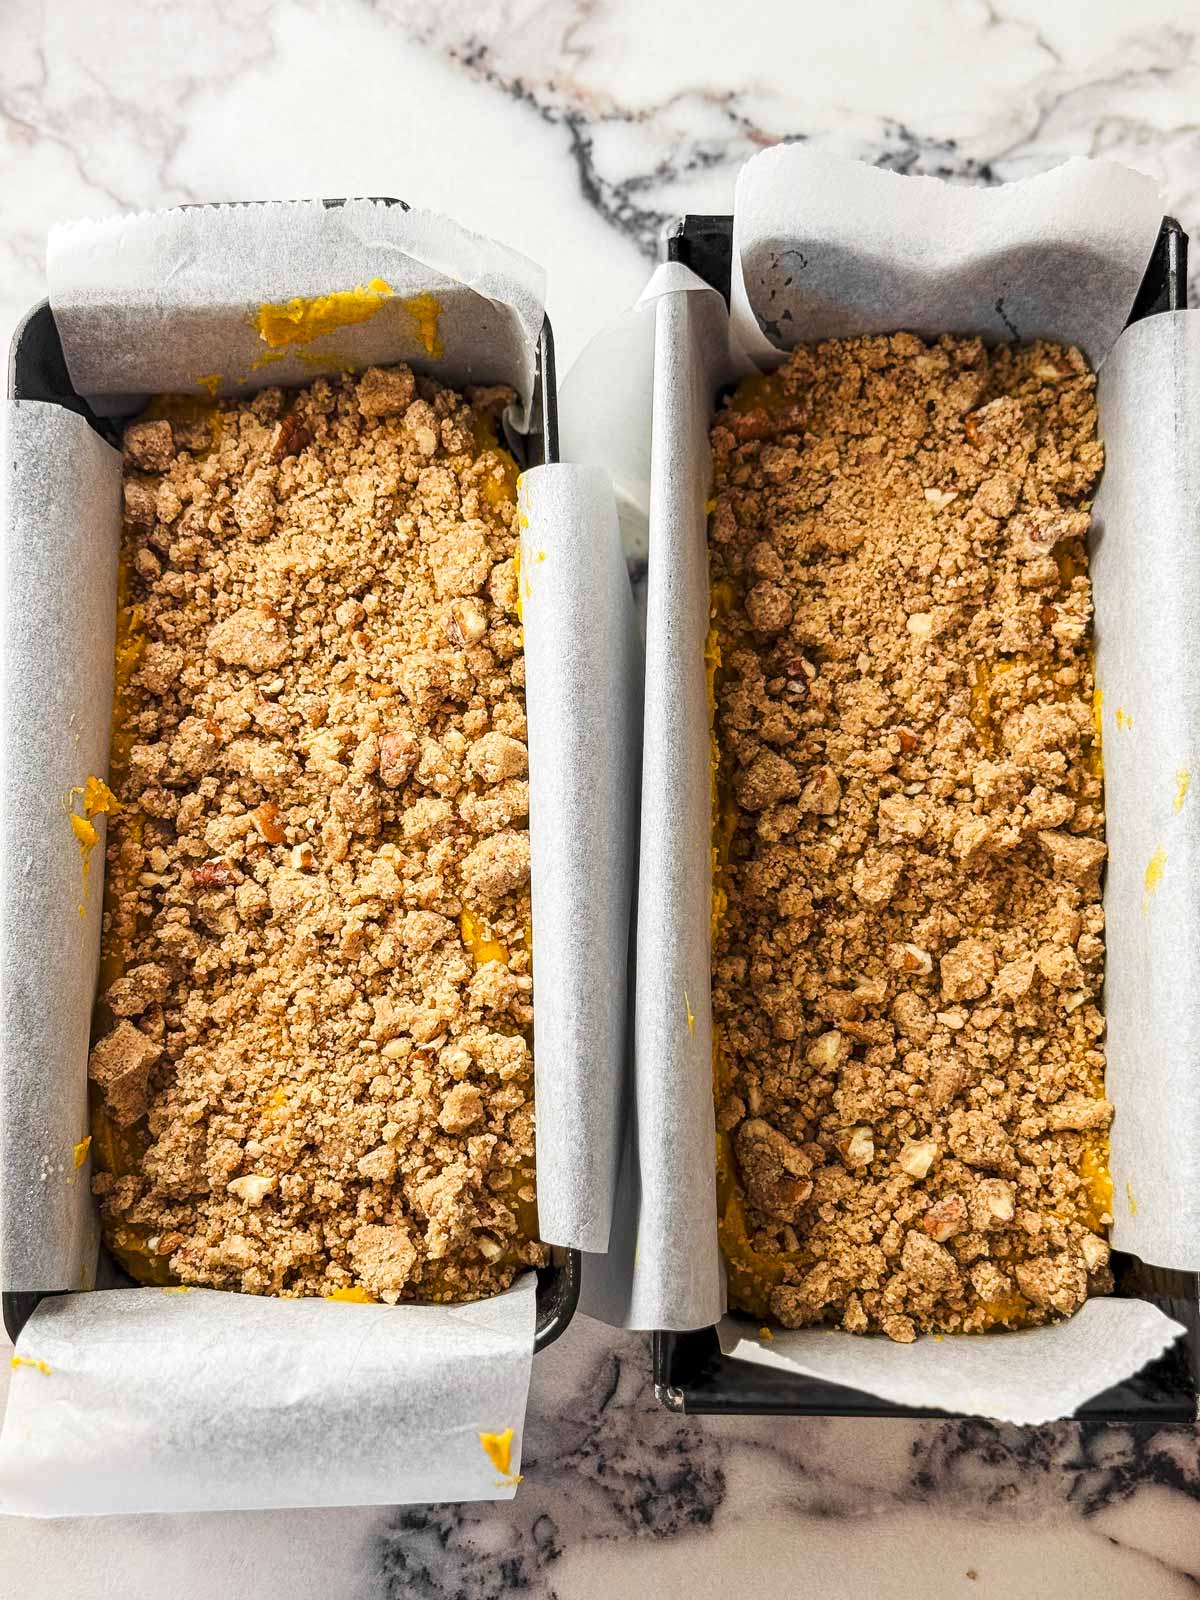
(573, 129)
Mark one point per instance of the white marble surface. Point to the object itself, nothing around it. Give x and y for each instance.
(572, 131)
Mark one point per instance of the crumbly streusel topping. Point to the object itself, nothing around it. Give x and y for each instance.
(909, 835)
(315, 1071)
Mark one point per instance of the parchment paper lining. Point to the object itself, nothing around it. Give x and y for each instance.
(583, 673)
(1146, 578)
(169, 1400)
(166, 301)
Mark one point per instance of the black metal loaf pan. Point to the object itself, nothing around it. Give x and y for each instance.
(690, 1371)
(38, 371)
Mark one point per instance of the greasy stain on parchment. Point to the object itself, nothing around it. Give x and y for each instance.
(1153, 877)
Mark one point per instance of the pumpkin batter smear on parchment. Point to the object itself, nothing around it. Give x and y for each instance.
(909, 838)
(313, 1073)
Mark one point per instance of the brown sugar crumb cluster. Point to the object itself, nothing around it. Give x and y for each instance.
(908, 932)
(314, 1072)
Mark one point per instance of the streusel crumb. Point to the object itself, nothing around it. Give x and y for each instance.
(313, 1073)
(908, 834)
